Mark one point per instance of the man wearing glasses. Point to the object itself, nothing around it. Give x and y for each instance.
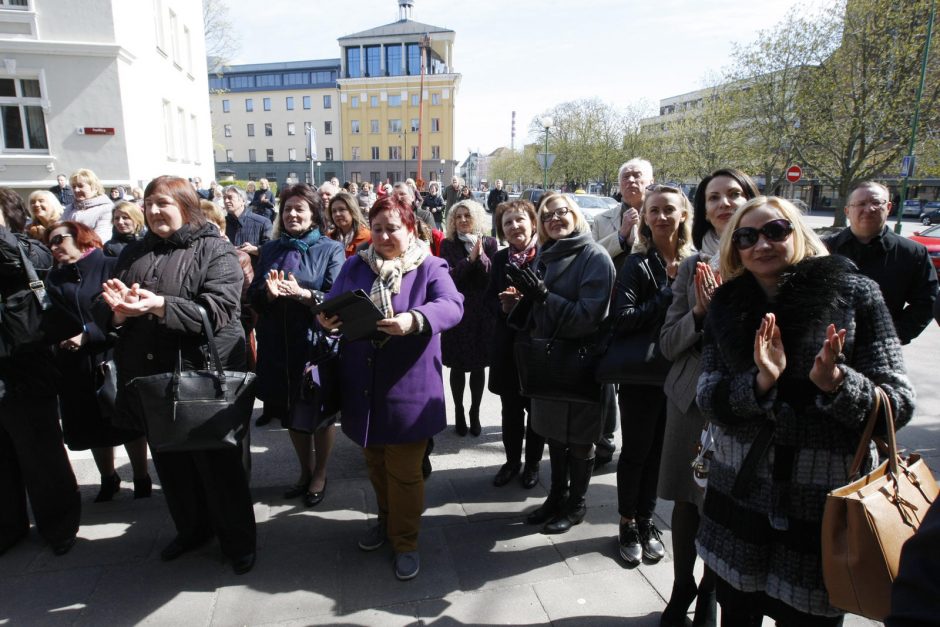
(901, 267)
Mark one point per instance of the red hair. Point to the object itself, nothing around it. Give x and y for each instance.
(392, 204)
(85, 237)
(183, 193)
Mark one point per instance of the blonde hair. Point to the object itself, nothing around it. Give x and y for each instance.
(133, 211)
(476, 214)
(644, 240)
(805, 241)
(214, 213)
(88, 177)
(52, 202)
(580, 224)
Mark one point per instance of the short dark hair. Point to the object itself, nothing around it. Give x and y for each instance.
(523, 206)
(393, 204)
(14, 209)
(700, 225)
(180, 190)
(308, 194)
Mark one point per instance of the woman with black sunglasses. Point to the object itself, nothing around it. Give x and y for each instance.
(795, 343)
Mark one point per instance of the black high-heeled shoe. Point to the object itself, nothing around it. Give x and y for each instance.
(475, 427)
(143, 487)
(109, 487)
(314, 498)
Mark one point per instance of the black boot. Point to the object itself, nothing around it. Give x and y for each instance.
(706, 609)
(475, 427)
(558, 492)
(460, 421)
(575, 508)
(109, 487)
(675, 613)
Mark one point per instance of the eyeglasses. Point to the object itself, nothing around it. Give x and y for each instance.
(56, 240)
(775, 231)
(559, 214)
(874, 203)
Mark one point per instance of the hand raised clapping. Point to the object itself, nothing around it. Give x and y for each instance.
(130, 302)
(706, 282)
(825, 373)
(769, 356)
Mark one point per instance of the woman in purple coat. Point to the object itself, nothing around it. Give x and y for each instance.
(392, 388)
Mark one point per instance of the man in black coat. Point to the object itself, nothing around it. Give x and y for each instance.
(246, 230)
(901, 267)
(496, 196)
(63, 191)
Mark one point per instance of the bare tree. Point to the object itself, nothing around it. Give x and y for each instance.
(221, 41)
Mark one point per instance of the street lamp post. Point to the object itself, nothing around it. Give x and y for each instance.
(442, 173)
(546, 124)
(316, 183)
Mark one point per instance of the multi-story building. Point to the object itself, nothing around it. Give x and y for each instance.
(367, 109)
(266, 117)
(114, 86)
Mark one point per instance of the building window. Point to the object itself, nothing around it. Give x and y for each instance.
(307, 127)
(292, 154)
(415, 100)
(354, 102)
(249, 105)
(226, 106)
(373, 126)
(227, 130)
(187, 50)
(356, 153)
(157, 22)
(355, 177)
(414, 125)
(296, 78)
(291, 128)
(329, 153)
(373, 61)
(375, 153)
(414, 152)
(393, 60)
(268, 129)
(353, 62)
(19, 5)
(241, 82)
(289, 103)
(435, 152)
(394, 153)
(327, 101)
(394, 101)
(374, 177)
(268, 80)
(270, 154)
(435, 125)
(183, 146)
(306, 102)
(169, 142)
(327, 128)
(174, 39)
(24, 123)
(436, 98)
(251, 130)
(230, 155)
(394, 126)
(414, 59)
(374, 102)
(354, 128)
(252, 156)
(266, 104)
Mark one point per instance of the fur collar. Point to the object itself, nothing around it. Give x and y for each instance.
(810, 294)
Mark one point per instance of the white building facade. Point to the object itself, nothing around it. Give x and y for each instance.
(115, 86)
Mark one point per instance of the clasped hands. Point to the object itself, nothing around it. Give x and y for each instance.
(771, 360)
(527, 283)
(130, 302)
(287, 286)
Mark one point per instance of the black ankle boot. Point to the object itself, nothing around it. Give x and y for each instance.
(575, 509)
(109, 487)
(558, 493)
(706, 608)
(143, 487)
(675, 613)
(460, 421)
(475, 427)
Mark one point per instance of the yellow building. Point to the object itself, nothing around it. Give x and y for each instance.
(381, 100)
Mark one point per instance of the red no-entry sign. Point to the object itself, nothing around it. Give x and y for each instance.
(794, 173)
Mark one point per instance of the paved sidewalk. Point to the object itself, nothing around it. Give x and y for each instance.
(481, 564)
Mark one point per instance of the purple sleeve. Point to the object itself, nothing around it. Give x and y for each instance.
(444, 307)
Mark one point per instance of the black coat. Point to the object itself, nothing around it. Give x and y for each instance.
(495, 197)
(642, 295)
(189, 268)
(504, 377)
(115, 246)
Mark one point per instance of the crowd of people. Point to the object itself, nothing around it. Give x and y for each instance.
(767, 337)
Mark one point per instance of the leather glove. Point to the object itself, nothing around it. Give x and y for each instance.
(527, 282)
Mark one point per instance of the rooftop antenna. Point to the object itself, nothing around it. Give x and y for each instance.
(405, 9)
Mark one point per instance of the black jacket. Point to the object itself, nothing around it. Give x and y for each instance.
(114, 246)
(188, 268)
(495, 197)
(903, 271)
(641, 295)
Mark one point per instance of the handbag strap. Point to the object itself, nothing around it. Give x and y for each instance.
(881, 405)
(36, 286)
(213, 349)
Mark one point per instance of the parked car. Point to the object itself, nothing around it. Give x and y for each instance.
(533, 195)
(931, 214)
(799, 204)
(930, 238)
(611, 202)
(912, 207)
(590, 205)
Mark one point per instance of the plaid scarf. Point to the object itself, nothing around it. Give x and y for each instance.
(389, 272)
(524, 257)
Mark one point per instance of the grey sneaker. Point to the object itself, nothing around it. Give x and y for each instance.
(407, 565)
(630, 549)
(652, 540)
(374, 537)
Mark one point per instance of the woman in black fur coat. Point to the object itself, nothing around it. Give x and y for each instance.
(795, 343)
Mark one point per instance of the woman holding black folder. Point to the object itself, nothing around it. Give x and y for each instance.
(392, 386)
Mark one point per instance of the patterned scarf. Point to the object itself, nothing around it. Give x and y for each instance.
(291, 249)
(389, 272)
(524, 257)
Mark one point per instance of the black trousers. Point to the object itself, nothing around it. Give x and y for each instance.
(643, 423)
(514, 424)
(207, 493)
(33, 462)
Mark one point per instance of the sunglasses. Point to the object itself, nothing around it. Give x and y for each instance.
(57, 239)
(774, 231)
(559, 213)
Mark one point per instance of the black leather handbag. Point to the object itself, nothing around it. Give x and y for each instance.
(22, 312)
(633, 359)
(318, 400)
(557, 369)
(106, 388)
(195, 410)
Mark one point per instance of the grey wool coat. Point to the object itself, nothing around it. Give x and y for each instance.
(768, 538)
(580, 278)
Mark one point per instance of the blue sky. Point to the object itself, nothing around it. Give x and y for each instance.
(529, 55)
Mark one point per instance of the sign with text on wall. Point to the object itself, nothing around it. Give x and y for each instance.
(96, 130)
